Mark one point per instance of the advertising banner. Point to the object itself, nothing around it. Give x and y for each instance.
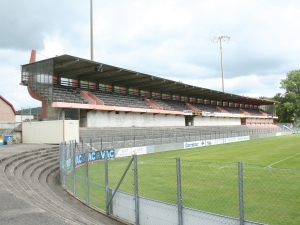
(194, 144)
(217, 114)
(93, 156)
(123, 152)
(188, 112)
(214, 142)
(205, 113)
(236, 139)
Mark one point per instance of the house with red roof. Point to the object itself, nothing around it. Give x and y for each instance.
(7, 111)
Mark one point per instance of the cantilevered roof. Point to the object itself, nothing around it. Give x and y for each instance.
(71, 67)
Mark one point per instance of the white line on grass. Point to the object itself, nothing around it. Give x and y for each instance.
(282, 160)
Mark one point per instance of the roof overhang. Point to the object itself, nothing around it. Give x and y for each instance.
(71, 67)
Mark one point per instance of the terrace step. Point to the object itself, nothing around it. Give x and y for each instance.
(29, 175)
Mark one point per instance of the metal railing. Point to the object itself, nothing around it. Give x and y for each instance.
(135, 137)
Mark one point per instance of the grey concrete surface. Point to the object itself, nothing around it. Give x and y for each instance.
(16, 210)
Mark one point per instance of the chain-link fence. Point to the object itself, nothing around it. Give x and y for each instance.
(147, 190)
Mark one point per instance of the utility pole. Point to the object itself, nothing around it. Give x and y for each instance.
(91, 14)
(219, 39)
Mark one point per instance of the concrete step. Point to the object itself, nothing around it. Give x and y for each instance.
(26, 176)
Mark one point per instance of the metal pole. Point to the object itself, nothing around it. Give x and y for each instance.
(222, 65)
(66, 167)
(136, 190)
(74, 167)
(91, 14)
(87, 175)
(179, 194)
(106, 183)
(219, 39)
(241, 192)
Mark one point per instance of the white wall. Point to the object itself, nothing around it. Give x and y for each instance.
(111, 119)
(51, 132)
(20, 118)
(215, 121)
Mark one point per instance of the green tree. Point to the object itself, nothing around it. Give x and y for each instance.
(288, 110)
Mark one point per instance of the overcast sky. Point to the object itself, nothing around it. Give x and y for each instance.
(165, 38)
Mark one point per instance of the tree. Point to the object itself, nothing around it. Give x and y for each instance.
(288, 110)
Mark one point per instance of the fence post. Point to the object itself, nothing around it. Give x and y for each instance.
(241, 192)
(66, 166)
(179, 194)
(107, 195)
(74, 167)
(136, 190)
(87, 174)
(60, 163)
(101, 144)
(134, 140)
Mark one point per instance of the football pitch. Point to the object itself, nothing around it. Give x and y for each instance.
(209, 177)
(282, 151)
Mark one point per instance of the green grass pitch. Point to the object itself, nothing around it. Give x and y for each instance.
(209, 176)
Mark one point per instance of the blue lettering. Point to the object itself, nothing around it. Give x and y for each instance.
(102, 154)
(91, 156)
(78, 160)
(111, 153)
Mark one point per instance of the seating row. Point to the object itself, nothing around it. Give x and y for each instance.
(72, 94)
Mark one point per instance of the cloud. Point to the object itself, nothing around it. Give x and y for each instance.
(165, 38)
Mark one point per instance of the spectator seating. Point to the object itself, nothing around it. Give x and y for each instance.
(254, 112)
(231, 110)
(112, 138)
(171, 105)
(67, 94)
(122, 100)
(206, 108)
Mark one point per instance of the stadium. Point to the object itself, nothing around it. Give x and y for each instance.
(118, 130)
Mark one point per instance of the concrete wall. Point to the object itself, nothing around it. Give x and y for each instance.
(51, 132)
(53, 113)
(111, 119)
(122, 119)
(6, 112)
(215, 121)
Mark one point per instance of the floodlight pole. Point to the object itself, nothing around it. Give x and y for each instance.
(91, 14)
(219, 39)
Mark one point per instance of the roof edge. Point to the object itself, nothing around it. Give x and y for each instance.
(5, 100)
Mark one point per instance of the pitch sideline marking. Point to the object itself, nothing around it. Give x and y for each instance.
(282, 160)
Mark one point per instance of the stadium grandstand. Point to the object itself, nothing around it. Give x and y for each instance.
(101, 95)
